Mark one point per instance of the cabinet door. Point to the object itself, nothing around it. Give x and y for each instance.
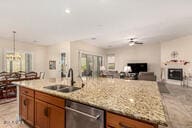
(27, 109)
(117, 121)
(30, 110)
(41, 114)
(56, 117)
(23, 107)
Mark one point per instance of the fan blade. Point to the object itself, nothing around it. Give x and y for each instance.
(139, 42)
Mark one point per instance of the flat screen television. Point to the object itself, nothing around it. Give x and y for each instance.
(138, 67)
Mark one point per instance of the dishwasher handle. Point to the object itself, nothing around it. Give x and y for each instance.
(82, 113)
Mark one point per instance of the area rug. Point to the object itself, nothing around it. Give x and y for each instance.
(163, 88)
(7, 100)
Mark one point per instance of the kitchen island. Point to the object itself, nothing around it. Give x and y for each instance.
(136, 102)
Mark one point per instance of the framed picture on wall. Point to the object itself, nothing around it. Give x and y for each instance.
(52, 65)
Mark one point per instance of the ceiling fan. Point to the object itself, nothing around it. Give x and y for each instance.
(132, 42)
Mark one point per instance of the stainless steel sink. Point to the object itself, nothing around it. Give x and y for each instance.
(69, 89)
(56, 87)
(62, 88)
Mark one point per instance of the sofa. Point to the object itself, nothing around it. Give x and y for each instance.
(148, 76)
(113, 74)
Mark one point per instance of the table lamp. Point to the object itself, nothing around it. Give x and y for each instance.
(102, 69)
(127, 69)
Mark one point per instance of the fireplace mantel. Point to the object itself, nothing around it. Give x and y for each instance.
(179, 62)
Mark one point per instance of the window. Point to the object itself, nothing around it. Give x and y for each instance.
(90, 64)
(111, 62)
(25, 64)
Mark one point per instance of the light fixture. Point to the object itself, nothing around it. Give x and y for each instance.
(12, 56)
(102, 68)
(127, 69)
(68, 11)
(93, 38)
(131, 43)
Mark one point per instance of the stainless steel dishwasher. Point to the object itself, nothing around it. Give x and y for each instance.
(83, 116)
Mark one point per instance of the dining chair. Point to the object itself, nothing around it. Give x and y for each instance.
(31, 75)
(22, 74)
(13, 76)
(3, 73)
(9, 87)
(2, 86)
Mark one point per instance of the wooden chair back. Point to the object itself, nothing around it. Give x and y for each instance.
(22, 74)
(31, 75)
(4, 73)
(14, 75)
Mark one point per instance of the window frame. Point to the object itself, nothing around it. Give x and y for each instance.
(6, 51)
(109, 64)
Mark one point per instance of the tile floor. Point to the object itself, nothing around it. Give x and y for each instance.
(8, 114)
(178, 106)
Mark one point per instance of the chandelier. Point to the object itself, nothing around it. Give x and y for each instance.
(13, 55)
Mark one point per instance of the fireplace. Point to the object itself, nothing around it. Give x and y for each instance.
(175, 74)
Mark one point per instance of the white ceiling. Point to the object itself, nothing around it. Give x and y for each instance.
(111, 22)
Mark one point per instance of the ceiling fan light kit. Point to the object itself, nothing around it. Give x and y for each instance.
(133, 42)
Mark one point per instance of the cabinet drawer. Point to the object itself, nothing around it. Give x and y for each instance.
(50, 99)
(26, 91)
(117, 121)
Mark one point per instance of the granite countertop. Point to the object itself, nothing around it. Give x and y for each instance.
(135, 99)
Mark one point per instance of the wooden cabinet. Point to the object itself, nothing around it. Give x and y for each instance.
(49, 111)
(27, 107)
(41, 114)
(57, 117)
(41, 110)
(116, 121)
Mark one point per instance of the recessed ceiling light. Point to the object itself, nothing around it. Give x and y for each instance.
(93, 38)
(68, 11)
(35, 41)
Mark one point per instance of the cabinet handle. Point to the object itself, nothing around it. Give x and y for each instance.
(46, 111)
(82, 113)
(25, 102)
(109, 126)
(124, 126)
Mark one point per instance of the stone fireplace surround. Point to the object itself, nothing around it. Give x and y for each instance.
(184, 69)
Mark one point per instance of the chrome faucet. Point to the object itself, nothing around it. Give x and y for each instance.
(70, 73)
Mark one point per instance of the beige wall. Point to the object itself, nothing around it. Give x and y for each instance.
(54, 53)
(78, 46)
(154, 54)
(39, 53)
(184, 47)
(149, 53)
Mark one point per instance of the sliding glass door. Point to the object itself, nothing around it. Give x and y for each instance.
(90, 64)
